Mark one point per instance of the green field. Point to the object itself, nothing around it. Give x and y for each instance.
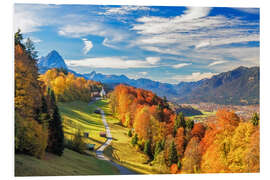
(79, 115)
(70, 163)
(202, 117)
(121, 150)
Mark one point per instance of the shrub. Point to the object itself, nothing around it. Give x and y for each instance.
(78, 144)
(30, 137)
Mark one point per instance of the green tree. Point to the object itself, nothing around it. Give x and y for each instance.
(255, 119)
(56, 134)
(134, 139)
(172, 154)
(147, 149)
(77, 143)
(158, 148)
(189, 124)
(18, 37)
(129, 133)
(30, 48)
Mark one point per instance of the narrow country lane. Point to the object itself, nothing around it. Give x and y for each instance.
(99, 151)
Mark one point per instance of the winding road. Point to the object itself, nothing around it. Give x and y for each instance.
(99, 151)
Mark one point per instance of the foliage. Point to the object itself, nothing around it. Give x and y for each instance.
(192, 157)
(129, 133)
(134, 139)
(158, 148)
(147, 149)
(255, 119)
(174, 168)
(30, 137)
(172, 154)
(56, 134)
(77, 144)
(189, 124)
(67, 87)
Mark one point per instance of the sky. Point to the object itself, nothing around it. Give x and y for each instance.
(165, 44)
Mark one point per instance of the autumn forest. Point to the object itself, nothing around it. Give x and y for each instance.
(71, 123)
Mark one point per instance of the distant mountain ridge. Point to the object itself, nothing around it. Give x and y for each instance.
(239, 86)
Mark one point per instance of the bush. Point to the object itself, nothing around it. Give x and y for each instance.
(30, 137)
(76, 144)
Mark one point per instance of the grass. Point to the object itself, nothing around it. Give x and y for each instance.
(79, 115)
(121, 151)
(70, 163)
(202, 117)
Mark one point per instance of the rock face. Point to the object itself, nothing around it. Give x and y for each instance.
(52, 60)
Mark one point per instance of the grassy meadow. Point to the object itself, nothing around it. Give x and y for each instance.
(79, 115)
(70, 163)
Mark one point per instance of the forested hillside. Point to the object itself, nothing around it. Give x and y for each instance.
(225, 144)
(68, 87)
(38, 126)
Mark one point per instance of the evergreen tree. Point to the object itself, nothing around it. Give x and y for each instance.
(134, 139)
(172, 154)
(30, 49)
(158, 148)
(18, 37)
(56, 135)
(147, 148)
(255, 119)
(190, 124)
(129, 133)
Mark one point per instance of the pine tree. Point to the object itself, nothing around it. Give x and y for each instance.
(56, 135)
(134, 139)
(172, 154)
(147, 148)
(255, 119)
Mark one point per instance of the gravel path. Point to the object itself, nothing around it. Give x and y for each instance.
(99, 151)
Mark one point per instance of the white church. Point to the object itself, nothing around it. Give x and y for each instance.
(102, 93)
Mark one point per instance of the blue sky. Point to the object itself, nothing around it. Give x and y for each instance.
(166, 44)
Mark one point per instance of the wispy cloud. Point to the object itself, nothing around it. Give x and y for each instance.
(87, 45)
(177, 66)
(216, 63)
(123, 10)
(153, 60)
(196, 76)
(109, 62)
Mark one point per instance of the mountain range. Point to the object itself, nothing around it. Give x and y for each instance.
(238, 87)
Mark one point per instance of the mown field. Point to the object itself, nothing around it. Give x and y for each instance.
(70, 163)
(121, 150)
(78, 115)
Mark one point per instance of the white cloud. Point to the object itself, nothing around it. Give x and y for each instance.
(109, 62)
(123, 10)
(216, 63)
(143, 73)
(153, 60)
(111, 36)
(33, 39)
(87, 45)
(196, 76)
(26, 21)
(249, 10)
(177, 66)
